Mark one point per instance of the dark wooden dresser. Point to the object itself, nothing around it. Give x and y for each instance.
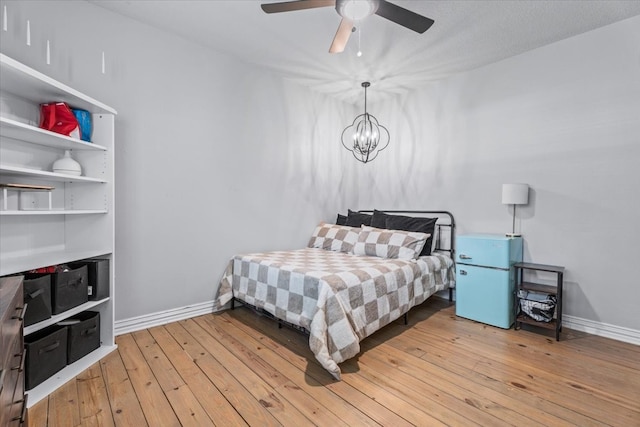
(13, 402)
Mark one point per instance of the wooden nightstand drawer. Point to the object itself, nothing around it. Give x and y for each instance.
(17, 412)
(12, 397)
(11, 322)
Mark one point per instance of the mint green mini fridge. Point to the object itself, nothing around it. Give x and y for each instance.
(485, 278)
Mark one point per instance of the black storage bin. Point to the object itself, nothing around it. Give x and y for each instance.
(37, 297)
(83, 334)
(46, 354)
(68, 289)
(98, 274)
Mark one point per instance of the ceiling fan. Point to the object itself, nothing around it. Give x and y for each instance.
(354, 10)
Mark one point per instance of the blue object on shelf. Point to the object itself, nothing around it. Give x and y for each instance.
(84, 120)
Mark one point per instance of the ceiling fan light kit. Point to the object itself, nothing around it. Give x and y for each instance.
(355, 10)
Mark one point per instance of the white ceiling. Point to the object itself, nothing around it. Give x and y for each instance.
(466, 35)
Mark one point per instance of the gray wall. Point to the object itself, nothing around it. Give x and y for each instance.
(213, 156)
(216, 156)
(565, 119)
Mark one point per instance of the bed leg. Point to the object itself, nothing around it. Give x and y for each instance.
(406, 318)
(233, 303)
(450, 294)
(279, 324)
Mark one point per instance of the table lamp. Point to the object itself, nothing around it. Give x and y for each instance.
(515, 194)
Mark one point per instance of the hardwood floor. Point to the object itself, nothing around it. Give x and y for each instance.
(237, 368)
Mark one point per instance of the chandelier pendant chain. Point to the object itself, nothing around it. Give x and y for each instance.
(359, 54)
(365, 85)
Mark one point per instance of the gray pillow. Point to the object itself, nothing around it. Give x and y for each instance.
(356, 219)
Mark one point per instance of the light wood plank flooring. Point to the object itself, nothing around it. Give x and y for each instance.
(237, 368)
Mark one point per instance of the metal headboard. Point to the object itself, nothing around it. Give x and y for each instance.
(445, 220)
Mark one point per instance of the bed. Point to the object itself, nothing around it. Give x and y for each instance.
(350, 281)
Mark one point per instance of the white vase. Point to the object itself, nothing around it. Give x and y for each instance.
(66, 165)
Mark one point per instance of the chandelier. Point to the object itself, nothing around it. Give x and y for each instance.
(365, 138)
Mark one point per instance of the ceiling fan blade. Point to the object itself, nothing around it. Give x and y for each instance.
(404, 17)
(289, 6)
(342, 36)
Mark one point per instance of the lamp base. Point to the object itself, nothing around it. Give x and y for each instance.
(513, 234)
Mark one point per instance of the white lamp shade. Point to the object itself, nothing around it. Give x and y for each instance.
(515, 194)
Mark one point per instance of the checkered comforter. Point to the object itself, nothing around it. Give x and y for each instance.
(339, 298)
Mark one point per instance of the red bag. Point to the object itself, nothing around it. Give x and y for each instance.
(59, 118)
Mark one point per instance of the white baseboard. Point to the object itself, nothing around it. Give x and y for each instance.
(133, 324)
(606, 330)
(162, 317)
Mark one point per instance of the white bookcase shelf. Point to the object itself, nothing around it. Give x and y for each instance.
(52, 212)
(39, 88)
(48, 256)
(58, 317)
(70, 371)
(77, 220)
(14, 129)
(41, 174)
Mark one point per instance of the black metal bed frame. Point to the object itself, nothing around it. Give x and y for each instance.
(450, 225)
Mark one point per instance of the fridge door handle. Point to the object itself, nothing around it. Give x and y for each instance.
(463, 256)
(463, 272)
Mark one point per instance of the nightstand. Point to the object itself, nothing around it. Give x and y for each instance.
(556, 290)
(485, 277)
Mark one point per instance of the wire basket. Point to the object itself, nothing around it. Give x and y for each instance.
(540, 307)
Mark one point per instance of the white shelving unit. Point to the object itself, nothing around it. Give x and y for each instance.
(78, 223)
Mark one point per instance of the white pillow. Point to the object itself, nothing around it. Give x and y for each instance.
(332, 237)
(389, 243)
